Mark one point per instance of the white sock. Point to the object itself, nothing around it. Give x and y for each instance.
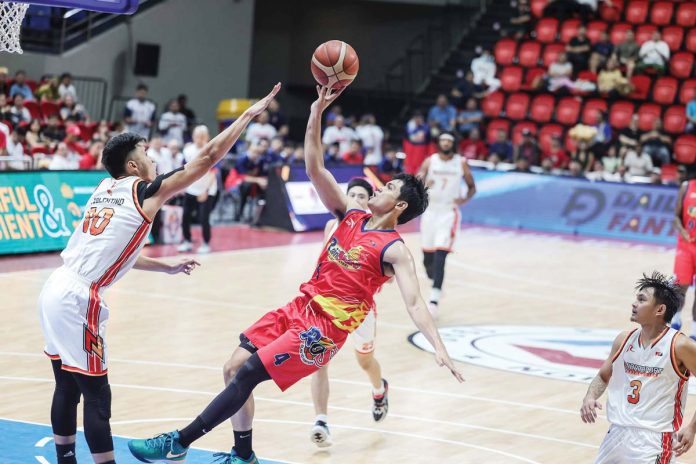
(693, 327)
(435, 295)
(676, 319)
(379, 391)
(322, 417)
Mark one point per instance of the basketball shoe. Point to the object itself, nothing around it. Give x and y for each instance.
(320, 434)
(164, 447)
(234, 458)
(203, 249)
(185, 246)
(380, 405)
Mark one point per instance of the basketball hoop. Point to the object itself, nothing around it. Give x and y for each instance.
(11, 16)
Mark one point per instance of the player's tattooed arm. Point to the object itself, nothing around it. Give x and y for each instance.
(186, 265)
(588, 411)
(685, 352)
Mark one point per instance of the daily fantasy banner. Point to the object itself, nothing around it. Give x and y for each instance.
(39, 210)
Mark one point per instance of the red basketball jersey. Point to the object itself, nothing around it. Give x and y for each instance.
(350, 271)
(689, 210)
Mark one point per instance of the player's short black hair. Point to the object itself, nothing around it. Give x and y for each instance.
(415, 193)
(360, 182)
(116, 152)
(665, 291)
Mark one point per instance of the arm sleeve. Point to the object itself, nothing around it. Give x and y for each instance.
(146, 190)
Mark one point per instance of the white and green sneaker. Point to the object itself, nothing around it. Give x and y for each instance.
(163, 448)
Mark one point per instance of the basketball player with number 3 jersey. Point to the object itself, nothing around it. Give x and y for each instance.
(443, 173)
(646, 375)
(104, 247)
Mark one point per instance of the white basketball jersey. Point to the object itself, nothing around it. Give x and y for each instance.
(646, 389)
(112, 233)
(446, 177)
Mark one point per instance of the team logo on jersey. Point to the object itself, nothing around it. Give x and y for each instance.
(93, 343)
(561, 353)
(346, 259)
(316, 349)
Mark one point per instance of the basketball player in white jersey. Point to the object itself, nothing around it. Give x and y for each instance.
(647, 377)
(101, 250)
(363, 339)
(443, 172)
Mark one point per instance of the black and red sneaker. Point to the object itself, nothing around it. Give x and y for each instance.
(380, 407)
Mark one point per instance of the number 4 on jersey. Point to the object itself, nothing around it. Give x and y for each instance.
(95, 222)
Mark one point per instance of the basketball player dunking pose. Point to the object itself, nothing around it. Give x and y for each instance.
(443, 172)
(294, 341)
(685, 258)
(363, 339)
(646, 375)
(101, 250)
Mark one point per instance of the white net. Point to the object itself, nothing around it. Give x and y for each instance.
(11, 16)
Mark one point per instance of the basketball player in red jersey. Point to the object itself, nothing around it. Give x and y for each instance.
(685, 258)
(294, 341)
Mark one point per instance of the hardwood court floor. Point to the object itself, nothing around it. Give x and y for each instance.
(169, 336)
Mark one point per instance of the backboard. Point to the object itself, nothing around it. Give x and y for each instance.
(105, 6)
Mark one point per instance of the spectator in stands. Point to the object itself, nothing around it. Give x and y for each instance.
(484, 70)
(469, 118)
(275, 150)
(575, 169)
(629, 137)
(657, 144)
(53, 132)
(18, 112)
(103, 132)
(251, 165)
(190, 115)
(20, 87)
(34, 136)
(502, 148)
(598, 173)
(611, 161)
(48, 90)
(355, 154)
(172, 123)
(528, 149)
(691, 115)
(654, 54)
(158, 152)
(139, 113)
(579, 49)
(583, 156)
(638, 162)
(393, 162)
(92, 158)
(557, 156)
(472, 147)
(442, 116)
(560, 73)
(260, 129)
(64, 159)
(70, 110)
(4, 86)
(522, 165)
(334, 112)
(332, 155)
(372, 137)
(611, 82)
(339, 133)
(521, 23)
(67, 87)
(627, 53)
(5, 108)
(297, 158)
(601, 52)
(278, 119)
(464, 89)
(603, 137)
(15, 150)
(175, 160)
(417, 130)
(656, 176)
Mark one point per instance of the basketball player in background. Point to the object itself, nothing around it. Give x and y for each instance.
(685, 257)
(443, 172)
(646, 375)
(295, 341)
(363, 339)
(100, 251)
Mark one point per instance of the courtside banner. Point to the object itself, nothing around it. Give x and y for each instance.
(573, 206)
(39, 210)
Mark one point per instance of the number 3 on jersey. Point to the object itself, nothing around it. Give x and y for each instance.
(634, 397)
(95, 222)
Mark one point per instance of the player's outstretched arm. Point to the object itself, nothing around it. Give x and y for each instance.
(185, 265)
(401, 260)
(324, 182)
(590, 404)
(685, 352)
(208, 157)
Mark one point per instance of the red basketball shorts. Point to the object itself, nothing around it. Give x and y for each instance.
(685, 263)
(295, 341)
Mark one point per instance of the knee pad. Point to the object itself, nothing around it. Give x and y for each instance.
(104, 402)
(69, 396)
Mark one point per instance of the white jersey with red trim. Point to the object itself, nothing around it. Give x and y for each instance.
(108, 241)
(646, 389)
(445, 180)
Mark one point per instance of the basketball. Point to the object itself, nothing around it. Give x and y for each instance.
(335, 64)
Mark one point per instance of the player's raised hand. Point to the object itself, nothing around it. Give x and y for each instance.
(684, 439)
(261, 105)
(186, 265)
(588, 411)
(325, 96)
(443, 359)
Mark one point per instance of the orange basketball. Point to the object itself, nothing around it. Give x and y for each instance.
(335, 64)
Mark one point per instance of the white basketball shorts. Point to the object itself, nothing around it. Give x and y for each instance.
(439, 229)
(363, 338)
(632, 445)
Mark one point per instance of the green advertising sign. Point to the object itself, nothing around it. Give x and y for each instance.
(39, 210)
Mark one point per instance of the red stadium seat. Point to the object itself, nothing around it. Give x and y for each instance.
(541, 109)
(546, 30)
(681, 64)
(569, 29)
(49, 108)
(531, 76)
(637, 11)
(588, 76)
(568, 111)
(686, 14)
(517, 105)
(511, 78)
(669, 172)
(505, 52)
(647, 114)
(551, 52)
(687, 91)
(594, 31)
(618, 32)
(538, 7)
(33, 108)
(590, 110)
(674, 120)
(673, 35)
(620, 114)
(519, 127)
(644, 33)
(665, 90)
(613, 13)
(528, 53)
(494, 126)
(691, 40)
(492, 104)
(661, 13)
(641, 87)
(87, 130)
(42, 150)
(685, 149)
(32, 84)
(548, 132)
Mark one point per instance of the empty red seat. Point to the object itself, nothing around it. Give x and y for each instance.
(613, 13)
(618, 32)
(647, 114)
(568, 111)
(546, 133)
(519, 127)
(661, 13)
(691, 40)
(569, 29)
(594, 31)
(541, 108)
(517, 105)
(589, 112)
(685, 149)
(532, 75)
(687, 91)
(681, 64)
(669, 172)
(620, 114)
(674, 120)
(641, 87)
(665, 90)
(644, 33)
(686, 14)
(546, 30)
(551, 52)
(538, 7)
(494, 126)
(511, 78)
(49, 108)
(528, 53)
(33, 108)
(505, 52)
(673, 35)
(637, 11)
(492, 104)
